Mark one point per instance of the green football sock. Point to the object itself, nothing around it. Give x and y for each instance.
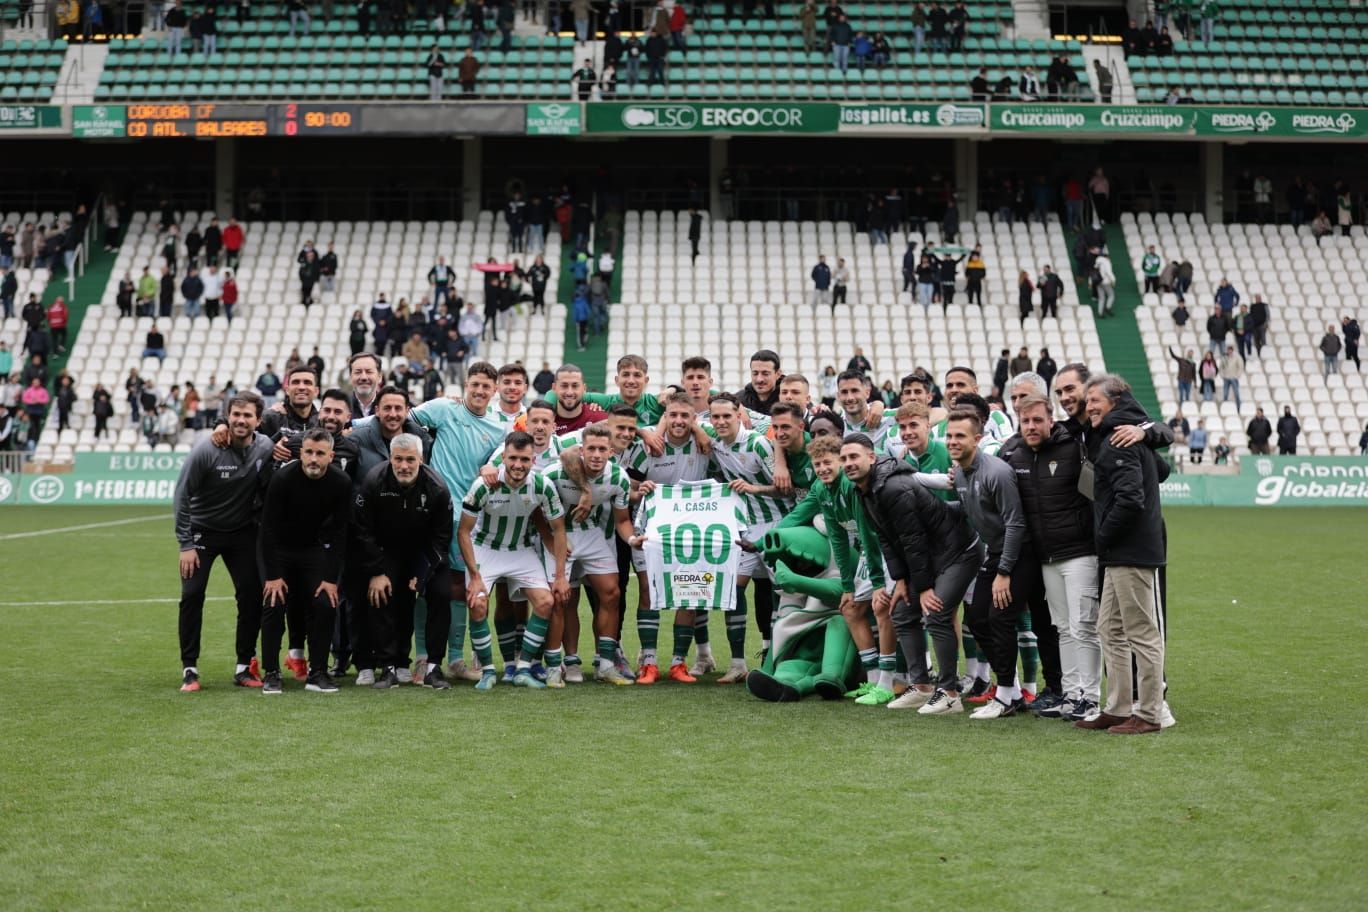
(534, 638)
(648, 627)
(482, 643)
(701, 628)
(507, 629)
(420, 625)
(869, 659)
(554, 657)
(683, 634)
(607, 649)
(456, 638)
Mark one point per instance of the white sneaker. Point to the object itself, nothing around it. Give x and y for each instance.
(608, 674)
(1166, 719)
(404, 675)
(994, 709)
(555, 677)
(574, 674)
(460, 670)
(911, 699)
(736, 673)
(702, 665)
(940, 704)
(365, 678)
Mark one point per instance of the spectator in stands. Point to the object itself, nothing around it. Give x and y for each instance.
(505, 18)
(1320, 225)
(176, 22)
(1226, 297)
(807, 19)
(268, 384)
(1028, 86)
(631, 56)
(840, 36)
(1218, 327)
(1021, 364)
(515, 220)
(946, 265)
(7, 247)
(657, 51)
(230, 295)
(1288, 430)
(1105, 288)
(1180, 315)
(821, 283)
(102, 408)
(155, 344)
(1244, 337)
(1197, 442)
(679, 21)
(579, 10)
(66, 399)
(1149, 266)
(35, 369)
(9, 288)
(435, 63)
(1104, 82)
(1209, 11)
(1131, 39)
(840, 283)
(471, 328)
(584, 80)
(467, 71)
(356, 332)
(918, 28)
(1363, 442)
(1183, 279)
(415, 350)
(6, 361)
(209, 31)
(1232, 369)
(308, 278)
(1206, 372)
(1330, 349)
(192, 290)
(974, 273)
(1295, 195)
(327, 269)
(1344, 209)
(959, 25)
(608, 82)
(35, 399)
(233, 239)
(1180, 427)
(979, 89)
(950, 224)
(1099, 188)
(863, 49)
(133, 387)
(1025, 288)
(939, 21)
(1051, 290)
(299, 15)
(1352, 334)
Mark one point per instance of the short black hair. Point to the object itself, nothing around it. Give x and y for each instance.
(391, 390)
(518, 440)
(301, 369)
(765, 354)
(973, 401)
(541, 404)
(335, 393)
(484, 369)
(961, 369)
(318, 435)
(1078, 367)
(697, 362)
(725, 397)
(622, 410)
(379, 365)
(510, 369)
(852, 375)
(786, 408)
(858, 439)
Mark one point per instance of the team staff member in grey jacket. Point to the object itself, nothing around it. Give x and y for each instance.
(1129, 534)
(216, 503)
(987, 489)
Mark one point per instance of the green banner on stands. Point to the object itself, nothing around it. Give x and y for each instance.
(1276, 481)
(95, 121)
(1045, 118)
(558, 119)
(1329, 123)
(104, 478)
(712, 117)
(30, 117)
(884, 117)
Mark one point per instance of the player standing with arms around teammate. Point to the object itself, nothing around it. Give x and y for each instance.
(303, 536)
(216, 516)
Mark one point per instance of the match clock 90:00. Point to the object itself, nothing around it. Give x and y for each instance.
(295, 119)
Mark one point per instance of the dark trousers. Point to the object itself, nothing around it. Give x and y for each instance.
(912, 626)
(996, 629)
(392, 622)
(353, 634)
(303, 572)
(947, 295)
(1049, 307)
(838, 295)
(238, 550)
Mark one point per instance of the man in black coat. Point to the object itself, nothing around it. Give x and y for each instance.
(1259, 432)
(1128, 528)
(1288, 429)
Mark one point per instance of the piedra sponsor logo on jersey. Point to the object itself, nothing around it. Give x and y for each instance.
(690, 584)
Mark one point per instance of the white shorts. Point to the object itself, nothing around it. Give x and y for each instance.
(590, 554)
(521, 569)
(639, 560)
(864, 587)
(751, 565)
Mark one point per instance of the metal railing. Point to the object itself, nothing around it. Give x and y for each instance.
(12, 462)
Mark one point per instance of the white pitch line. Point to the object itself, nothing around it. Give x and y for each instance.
(147, 601)
(98, 525)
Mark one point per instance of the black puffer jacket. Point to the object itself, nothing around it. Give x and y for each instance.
(1058, 516)
(922, 535)
(1127, 411)
(1128, 523)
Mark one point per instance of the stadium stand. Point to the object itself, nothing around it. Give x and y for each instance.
(727, 59)
(1307, 284)
(1266, 52)
(750, 289)
(374, 257)
(29, 68)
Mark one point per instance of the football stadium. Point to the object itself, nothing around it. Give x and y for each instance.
(446, 442)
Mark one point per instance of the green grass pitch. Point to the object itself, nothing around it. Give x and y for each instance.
(118, 792)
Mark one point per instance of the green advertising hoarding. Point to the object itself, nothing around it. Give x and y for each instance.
(103, 478)
(30, 117)
(1074, 118)
(556, 119)
(1324, 123)
(1275, 481)
(881, 117)
(712, 117)
(97, 121)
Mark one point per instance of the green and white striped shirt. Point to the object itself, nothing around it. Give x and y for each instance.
(548, 457)
(999, 428)
(609, 491)
(503, 515)
(676, 464)
(750, 457)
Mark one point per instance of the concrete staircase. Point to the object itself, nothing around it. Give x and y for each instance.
(81, 69)
(1032, 18)
(1112, 57)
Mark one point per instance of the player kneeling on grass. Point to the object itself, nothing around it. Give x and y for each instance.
(497, 538)
(593, 557)
(303, 534)
(931, 554)
(402, 529)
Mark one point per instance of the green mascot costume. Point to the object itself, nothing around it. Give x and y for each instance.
(811, 650)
